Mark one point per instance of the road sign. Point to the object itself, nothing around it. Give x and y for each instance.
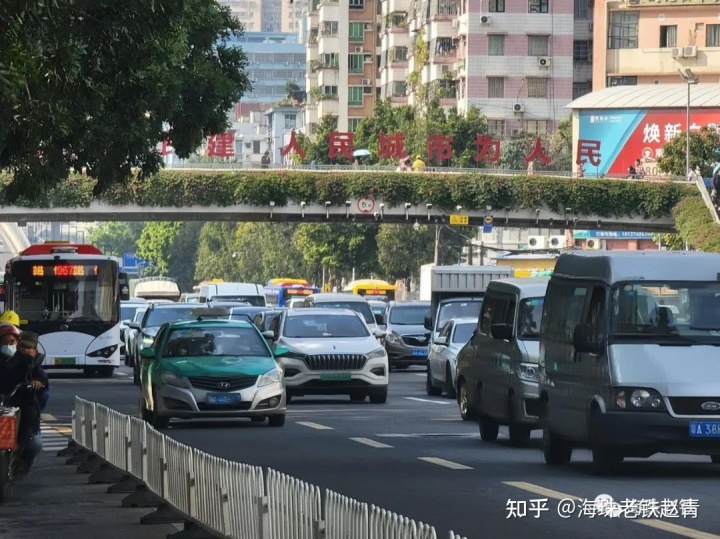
(488, 224)
(130, 260)
(459, 220)
(366, 204)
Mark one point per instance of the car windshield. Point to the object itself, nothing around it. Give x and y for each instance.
(127, 312)
(213, 342)
(529, 318)
(157, 317)
(685, 310)
(139, 315)
(463, 332)
(324, 326)
(257, 301)
(409, 316)
(243, 317)
(361, 307)
(458, 309)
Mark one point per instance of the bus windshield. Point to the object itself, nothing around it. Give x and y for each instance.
(255, 301)
(77, 291)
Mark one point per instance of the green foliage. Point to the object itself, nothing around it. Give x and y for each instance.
(171, 249)
(318, 148)
(115, 238)
(338, 247)
(672, 242)
(92, 85)
(695, 225)
(704, 153)
(216, 252)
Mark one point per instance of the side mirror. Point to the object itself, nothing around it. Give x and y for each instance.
(147, 353)
(586, 340)
(379, 333)
(379, 319)
(502, 332)
(126, 323)
(269, 335)
(133, 325)
(441, 340)
(123, 283)
(428, 323)
(281, 351)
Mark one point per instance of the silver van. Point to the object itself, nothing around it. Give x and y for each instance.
(630, 348)
(497, 371)
(354, 302)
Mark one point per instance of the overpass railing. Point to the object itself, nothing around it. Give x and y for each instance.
(215, 497)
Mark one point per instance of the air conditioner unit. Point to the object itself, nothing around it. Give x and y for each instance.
(485, 19)
(557, 242)
(518, 107)
(537, 242)
(544, 61)
(358, 49)
(368, 26)
(515, 132)
(365, 82)
(676, 53)
(689, 52)
(633, 2)
(455, 23)
(593, 244)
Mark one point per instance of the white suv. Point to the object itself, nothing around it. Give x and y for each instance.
(330, 352)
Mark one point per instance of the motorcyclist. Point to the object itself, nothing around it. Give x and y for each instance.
(10, 317)
(9, 336)
(24, 369)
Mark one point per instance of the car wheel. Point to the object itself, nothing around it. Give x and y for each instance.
(449, 386)
(463, 403)
(432, 391)
(489, 429)
(378, 396)
(555, 450)
(106, 371)
(156, 420)
(145, 414)
(277, 420)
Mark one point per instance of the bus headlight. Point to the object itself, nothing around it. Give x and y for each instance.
(104, 352)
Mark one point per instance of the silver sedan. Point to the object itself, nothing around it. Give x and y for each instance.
(442, 359)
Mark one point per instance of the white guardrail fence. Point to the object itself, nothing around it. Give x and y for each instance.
(222, 498)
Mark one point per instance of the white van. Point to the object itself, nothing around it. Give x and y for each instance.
(629, 348)
(254, 294)
(354, 302)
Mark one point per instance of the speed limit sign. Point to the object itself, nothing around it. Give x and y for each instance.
(366, 204)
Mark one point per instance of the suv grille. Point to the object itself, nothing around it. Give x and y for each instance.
(335, 362)
(416, 340)
(220, 384)
(692, 405)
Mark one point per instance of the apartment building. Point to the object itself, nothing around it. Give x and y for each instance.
(293, 13)
(648, 41)
(343, 56)
(248, 12)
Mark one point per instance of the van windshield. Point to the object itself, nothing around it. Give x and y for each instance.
(667, 309)
(458, 309)
(530, 315)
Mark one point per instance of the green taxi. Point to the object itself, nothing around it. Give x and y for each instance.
(211, 368)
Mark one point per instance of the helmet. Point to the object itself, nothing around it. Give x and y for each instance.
(9, 329)
(10, 317)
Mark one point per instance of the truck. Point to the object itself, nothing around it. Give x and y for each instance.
(155, 288)
(426, 282)
(457, 292)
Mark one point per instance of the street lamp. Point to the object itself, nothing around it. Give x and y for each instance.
(690, 78)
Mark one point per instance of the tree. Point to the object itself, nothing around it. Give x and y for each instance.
(318, 148)
(672, 242)
(464, 130)
(171, 250)
(216, 252)
(560, 146)
(704, 153)
(94, 85)
(115, 238)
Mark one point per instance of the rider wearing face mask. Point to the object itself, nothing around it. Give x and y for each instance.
(9, 335)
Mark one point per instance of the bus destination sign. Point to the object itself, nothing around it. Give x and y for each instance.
(64, 270)
(299, 291)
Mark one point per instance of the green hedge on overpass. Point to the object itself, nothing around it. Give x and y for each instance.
(604, 198)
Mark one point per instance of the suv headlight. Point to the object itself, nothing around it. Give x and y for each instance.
(104, 352)
(173, 379)
(375, 354)
(392, 338)
(529, 372)
(638, 399)
(271, 377)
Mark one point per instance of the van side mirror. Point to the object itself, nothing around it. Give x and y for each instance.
(147, 354)
(428, 323)
(269, 335)
(441, 340)
(586, 340)
(379, 319)
(501, 332)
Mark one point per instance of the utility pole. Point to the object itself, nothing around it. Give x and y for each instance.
(436, 259)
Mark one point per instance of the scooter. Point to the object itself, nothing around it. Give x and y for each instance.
(10, 449)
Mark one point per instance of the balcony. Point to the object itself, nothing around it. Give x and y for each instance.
(459, 68)
(461, 25)
(661, 62)
(312, 37)
(443, 10)
(445, 90)
(326, 61)
(443, 50)
(396, 57)
(396, 23)
(329, 28)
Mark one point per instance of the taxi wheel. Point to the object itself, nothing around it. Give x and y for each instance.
(277, 420)
(449, 386)
(156, 420)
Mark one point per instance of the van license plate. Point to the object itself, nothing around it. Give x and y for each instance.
(64, 361)
(705, 429)
(420, 353)
(336, 377)
(223, 398)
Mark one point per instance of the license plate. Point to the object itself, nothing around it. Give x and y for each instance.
(421, 353)
(336, 376)
(705, 429)
(64, 361)
(223, 398)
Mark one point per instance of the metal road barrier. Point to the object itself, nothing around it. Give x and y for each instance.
(215, 497)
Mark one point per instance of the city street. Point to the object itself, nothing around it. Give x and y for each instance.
(416, 457)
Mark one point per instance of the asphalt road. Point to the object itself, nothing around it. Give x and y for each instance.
(416, 457)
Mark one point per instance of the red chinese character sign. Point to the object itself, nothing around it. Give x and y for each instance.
(538, 153)
(391, 146)
(294, 146)
(588, 151)
(439, 147)
(628, 135)
(222, 145)
(341, 145)
(487, 149)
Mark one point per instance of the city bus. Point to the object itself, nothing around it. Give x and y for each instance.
(69, 294)
(371, 289)
(279, 292)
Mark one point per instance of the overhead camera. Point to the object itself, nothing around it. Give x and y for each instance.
(302, 204)
(408, 205)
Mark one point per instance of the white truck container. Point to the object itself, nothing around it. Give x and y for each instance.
(426, 282)
(254, 294)
(155, 288)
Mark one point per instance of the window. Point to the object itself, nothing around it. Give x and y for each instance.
(497, 6)
(668, 36)
(255, 146)
(496, 45)
(356, 63)
(622, 81)
(712, 35)
(329, 28)
(581, 9)
(529, 318)
(497, 309)
(536, 127)
(357, 4)
(355, 95)
(623, 30)
(538, 6)
(290, 121)
(357, 31)
(581, 50)
(446, 330)
(157, 317)
(537, 87)
(458, 309)
(353, 124)
(496, 128)
(538, 45)
(212, 342)
(496, 87)
(325, 325)
(330, 90)
(563, 310)
(581, 88)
